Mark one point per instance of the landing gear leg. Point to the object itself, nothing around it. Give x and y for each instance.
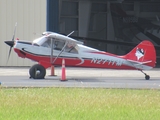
(147, 77)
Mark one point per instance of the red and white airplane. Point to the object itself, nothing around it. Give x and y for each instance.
(52, 47)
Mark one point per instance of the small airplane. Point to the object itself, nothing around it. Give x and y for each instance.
(51, 48)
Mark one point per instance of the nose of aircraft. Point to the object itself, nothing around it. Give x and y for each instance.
(10, 43)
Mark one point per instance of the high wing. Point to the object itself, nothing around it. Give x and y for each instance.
(59, 37)
(118, 43)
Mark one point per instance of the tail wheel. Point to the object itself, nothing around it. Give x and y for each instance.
(37, 71)
(147, 77)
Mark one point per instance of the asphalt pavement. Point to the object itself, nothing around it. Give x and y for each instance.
(81, 77)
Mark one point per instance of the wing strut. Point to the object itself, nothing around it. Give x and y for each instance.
(51, 51)
(52, 61)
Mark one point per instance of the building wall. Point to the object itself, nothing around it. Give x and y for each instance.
(30, 16)
(118, 20)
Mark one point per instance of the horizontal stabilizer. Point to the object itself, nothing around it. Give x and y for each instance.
(139, 63)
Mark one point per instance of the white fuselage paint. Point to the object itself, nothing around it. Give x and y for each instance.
(84, 52)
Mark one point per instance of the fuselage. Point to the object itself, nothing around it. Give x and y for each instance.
(76, 55)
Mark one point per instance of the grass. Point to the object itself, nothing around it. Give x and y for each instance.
(79, 104)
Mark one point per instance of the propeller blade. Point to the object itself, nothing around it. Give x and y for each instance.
(11, 43)
(14, 31)
(9, 54)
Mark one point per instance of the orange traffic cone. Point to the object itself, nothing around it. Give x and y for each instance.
(52, 71)
(63, 73)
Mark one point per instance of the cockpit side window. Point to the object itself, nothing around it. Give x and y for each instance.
(58, 45)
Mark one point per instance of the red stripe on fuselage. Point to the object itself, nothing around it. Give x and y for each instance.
(74, 62)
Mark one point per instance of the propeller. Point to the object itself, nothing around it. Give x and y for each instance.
(11, 43)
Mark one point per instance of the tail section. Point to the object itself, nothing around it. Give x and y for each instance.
(143, 53)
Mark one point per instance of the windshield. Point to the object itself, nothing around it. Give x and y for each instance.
(40, 40)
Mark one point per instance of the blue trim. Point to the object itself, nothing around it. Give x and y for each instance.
(52, 15)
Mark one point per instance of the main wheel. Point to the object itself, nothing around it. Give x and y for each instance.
(37, 71)
(147, 77)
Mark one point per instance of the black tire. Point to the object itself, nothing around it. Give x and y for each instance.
(147, 77)
(37, 71)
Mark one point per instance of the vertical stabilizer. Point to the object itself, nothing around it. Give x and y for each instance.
(143, 52)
